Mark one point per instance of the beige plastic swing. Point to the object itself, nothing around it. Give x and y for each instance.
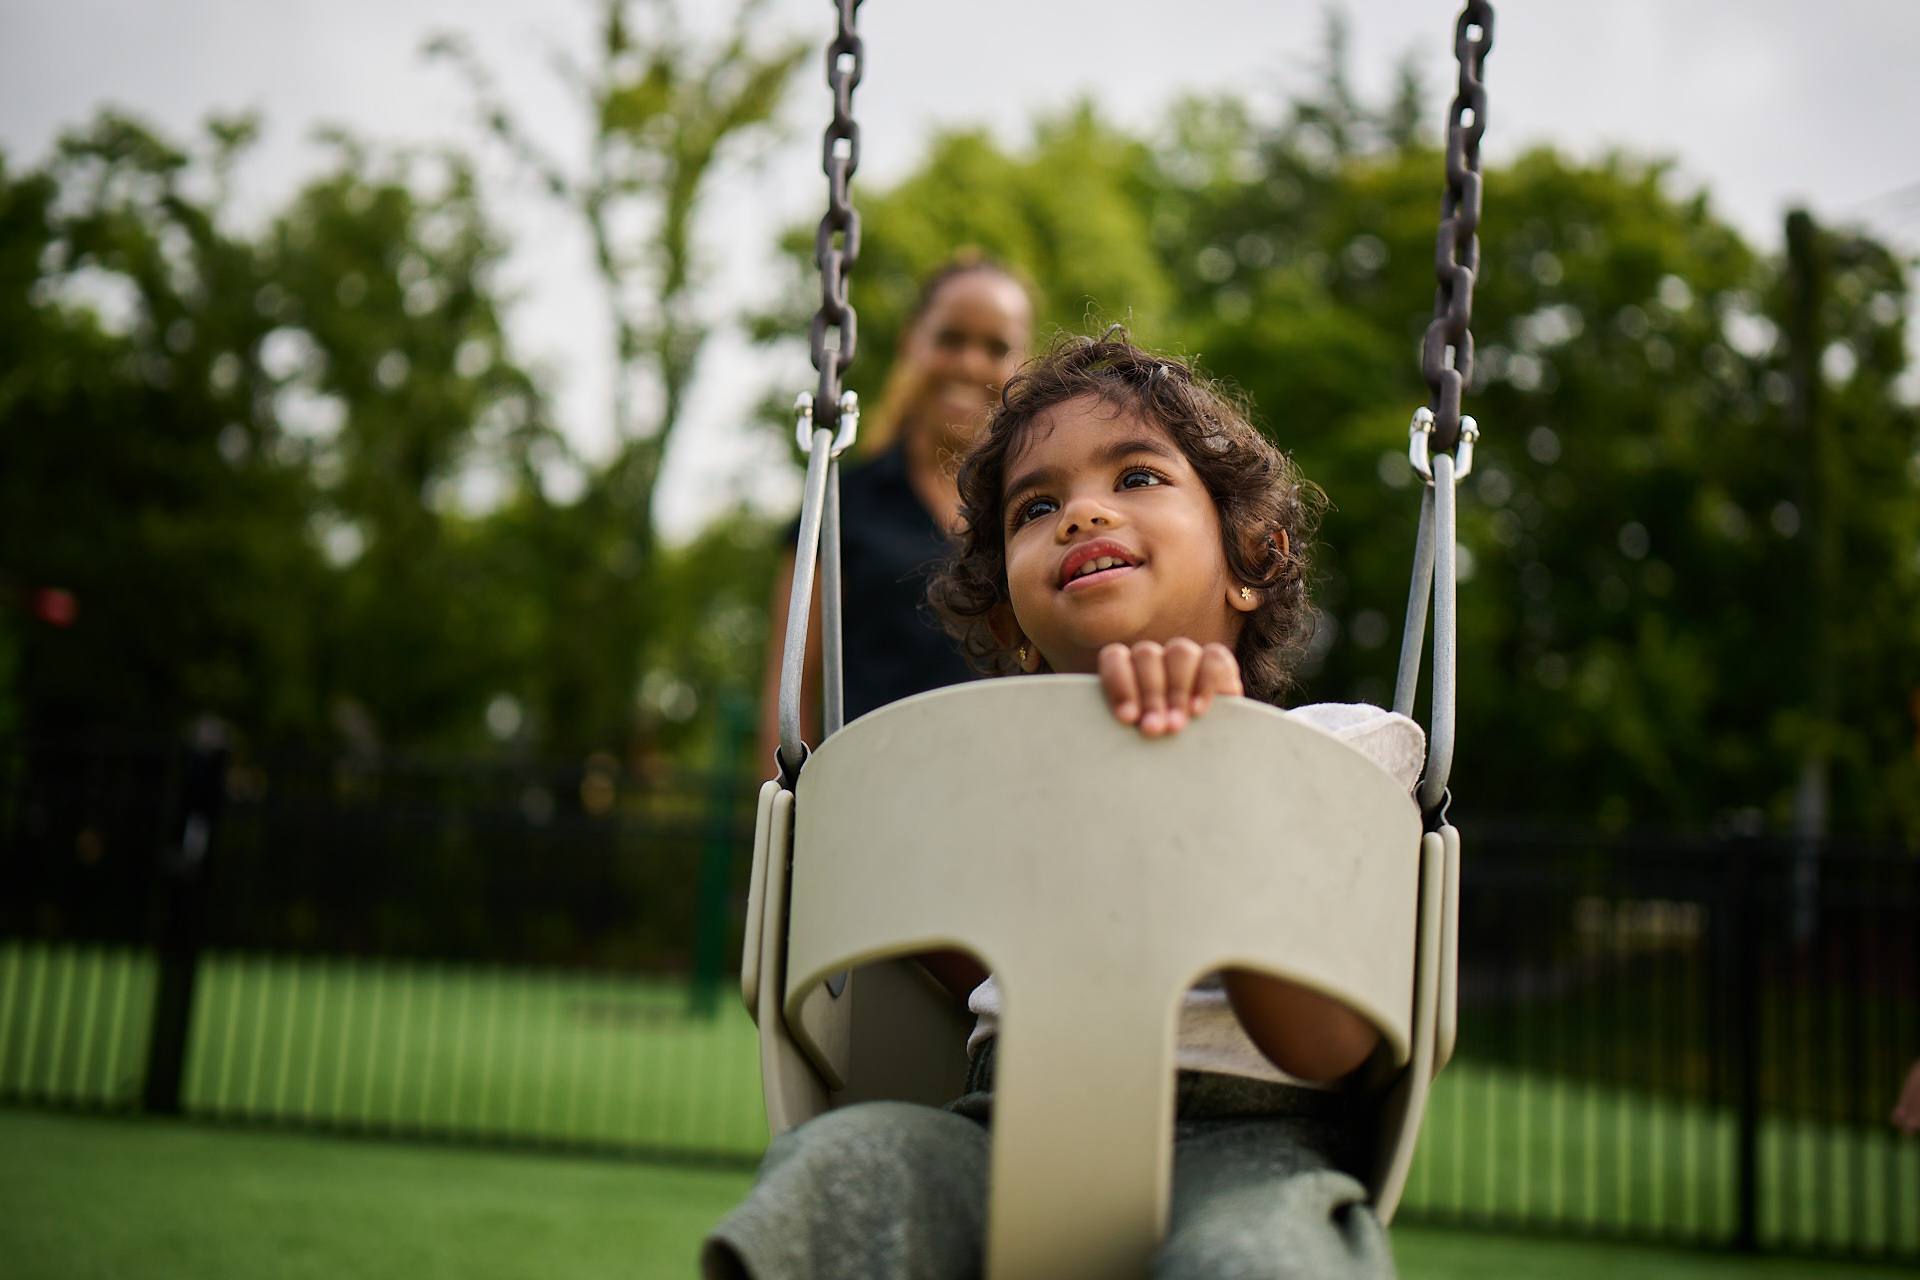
(1098, 874)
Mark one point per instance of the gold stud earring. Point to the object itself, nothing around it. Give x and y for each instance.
(1246, 593)
(1021, 654)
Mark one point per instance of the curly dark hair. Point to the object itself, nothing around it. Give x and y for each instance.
(1268, 510)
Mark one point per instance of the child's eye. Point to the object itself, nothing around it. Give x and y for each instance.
(1033, 509)
(1140, 478)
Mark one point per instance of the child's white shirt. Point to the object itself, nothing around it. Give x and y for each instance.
(1210, 1035)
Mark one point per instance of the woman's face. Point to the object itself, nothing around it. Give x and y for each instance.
(972, 337)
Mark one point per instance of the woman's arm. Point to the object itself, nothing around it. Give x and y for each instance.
(1906, 1111)
(769, 739)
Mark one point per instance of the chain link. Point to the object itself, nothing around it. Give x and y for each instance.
(1457, 253)
(840, 156)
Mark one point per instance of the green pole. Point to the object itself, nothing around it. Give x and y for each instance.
(713, 899)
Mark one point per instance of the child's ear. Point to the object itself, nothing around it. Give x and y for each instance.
(1006, 631)
(1245, 598)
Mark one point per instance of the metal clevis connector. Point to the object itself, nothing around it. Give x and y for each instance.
(1420, 435)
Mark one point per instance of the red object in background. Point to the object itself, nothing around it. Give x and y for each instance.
(55, 607)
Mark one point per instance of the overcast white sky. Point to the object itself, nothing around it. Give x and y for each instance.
(1765, 102)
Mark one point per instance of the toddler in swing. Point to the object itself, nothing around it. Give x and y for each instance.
(1121, 518)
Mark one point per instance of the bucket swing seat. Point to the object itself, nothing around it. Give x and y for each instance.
(1096, 873)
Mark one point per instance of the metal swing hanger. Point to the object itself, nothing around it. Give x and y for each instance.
(1441, 440)
(823, 442)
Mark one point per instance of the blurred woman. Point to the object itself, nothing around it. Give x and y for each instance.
(966, 334)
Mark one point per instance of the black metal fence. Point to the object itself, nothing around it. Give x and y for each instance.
(1696, 1038)
(1693, 1038)
(590, 865)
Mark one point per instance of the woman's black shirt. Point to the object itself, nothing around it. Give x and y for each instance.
(889, 547)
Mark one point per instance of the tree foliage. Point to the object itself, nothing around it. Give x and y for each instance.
(142, 467)
(663, 112)
(1642, 597)
(294, 477)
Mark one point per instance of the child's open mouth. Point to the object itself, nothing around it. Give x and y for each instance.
(1094, 563)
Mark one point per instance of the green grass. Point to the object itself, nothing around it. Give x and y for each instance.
(115, 1197)
(616, 1062)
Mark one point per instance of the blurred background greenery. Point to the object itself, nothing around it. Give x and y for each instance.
(296, 478)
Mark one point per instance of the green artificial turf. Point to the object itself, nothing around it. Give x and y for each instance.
(410, 1048)
(1435, 1254)
(84, 1197)
(100, 1196)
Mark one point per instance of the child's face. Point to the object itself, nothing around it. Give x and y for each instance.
(1095, 485)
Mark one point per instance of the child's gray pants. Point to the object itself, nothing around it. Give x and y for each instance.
(895, 1191)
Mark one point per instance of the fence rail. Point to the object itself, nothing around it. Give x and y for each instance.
(1687, 1038)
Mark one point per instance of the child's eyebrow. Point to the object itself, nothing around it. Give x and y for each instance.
(1143, 444)
(1113, 453)
(1031, 480)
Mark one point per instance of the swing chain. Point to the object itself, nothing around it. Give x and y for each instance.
(1446, 356)
(840, 156)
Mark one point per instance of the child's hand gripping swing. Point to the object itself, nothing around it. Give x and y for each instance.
(1100, 873)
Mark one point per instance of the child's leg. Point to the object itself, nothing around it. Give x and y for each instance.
(881, 1191)
(1255, 1199)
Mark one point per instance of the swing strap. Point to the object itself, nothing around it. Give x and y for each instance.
(819, 542)
(818, 549)
(1435, 582)
(1441, 439)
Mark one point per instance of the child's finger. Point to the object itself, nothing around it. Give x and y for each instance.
(1150, 669)
(1117, 682)
(1183, 669)
(1219, 674)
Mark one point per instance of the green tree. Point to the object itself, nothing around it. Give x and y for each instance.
(396, 384)
(1634, 648)
(140, 467)
(241, 454)
(1070, 211)
(664, 113)
(1641, 528)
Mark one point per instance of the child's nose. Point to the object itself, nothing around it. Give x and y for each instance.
(1080, 515)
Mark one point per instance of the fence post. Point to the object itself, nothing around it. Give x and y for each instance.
(713, 897)
(203, 788)
(1744, 999)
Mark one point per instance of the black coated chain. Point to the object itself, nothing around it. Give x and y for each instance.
(844, 57)
(1457, 254)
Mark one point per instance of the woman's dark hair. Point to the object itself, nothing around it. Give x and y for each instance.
(1268, 511)
(965, 260)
